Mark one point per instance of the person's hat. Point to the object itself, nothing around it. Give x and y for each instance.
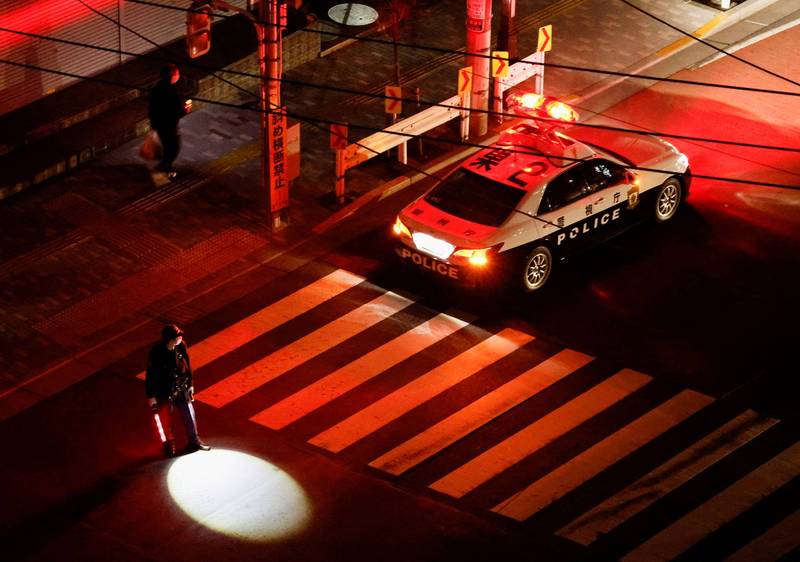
(170, 332)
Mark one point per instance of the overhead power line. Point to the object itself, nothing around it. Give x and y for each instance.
(316, 120)
(709, 44)
(148, 40)
(490, 112)
(270, 106)
(443, 50)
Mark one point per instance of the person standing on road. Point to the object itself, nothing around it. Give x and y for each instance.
(165, 108)
(169, 385)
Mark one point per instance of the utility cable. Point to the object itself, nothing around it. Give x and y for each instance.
(316, 120)
(316, 123)
(709, 44)
(148, 40)
(699, 143)
(489, 57)
(490, 112)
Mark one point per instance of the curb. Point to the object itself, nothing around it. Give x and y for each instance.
(716, 24)
(755, 37)
(395, 185)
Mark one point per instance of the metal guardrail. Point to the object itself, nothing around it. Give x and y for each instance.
(398, 134)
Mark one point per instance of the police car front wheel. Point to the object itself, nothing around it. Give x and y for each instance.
(668, 199)
(536, 269)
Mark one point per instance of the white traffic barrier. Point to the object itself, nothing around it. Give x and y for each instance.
(387, 139)
(430, 118)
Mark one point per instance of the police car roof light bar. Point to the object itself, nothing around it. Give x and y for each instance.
(538, 105)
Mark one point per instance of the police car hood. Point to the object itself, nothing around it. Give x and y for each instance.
(633, 148)
(421, 216)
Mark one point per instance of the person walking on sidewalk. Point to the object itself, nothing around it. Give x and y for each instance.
(165, 108)
(169, 385)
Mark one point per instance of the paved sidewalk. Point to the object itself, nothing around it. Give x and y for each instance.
(93, 261)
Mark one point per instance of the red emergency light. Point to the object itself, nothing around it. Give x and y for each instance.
(539, 105)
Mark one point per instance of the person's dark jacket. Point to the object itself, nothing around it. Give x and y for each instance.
(162, 377)
(165, 107)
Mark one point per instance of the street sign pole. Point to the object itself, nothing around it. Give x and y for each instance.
(507, 34)
(499, 72)
(274, 182)
(465, 95)
(479, 38)
(339, 144)
(273, 120)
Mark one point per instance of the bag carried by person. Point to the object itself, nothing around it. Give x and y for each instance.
(151, 147)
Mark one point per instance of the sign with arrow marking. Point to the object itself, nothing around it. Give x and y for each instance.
(545, 42)
(499, 64)
(394, 106)
(464, 80)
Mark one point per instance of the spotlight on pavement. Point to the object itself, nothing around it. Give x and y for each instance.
(239, 495)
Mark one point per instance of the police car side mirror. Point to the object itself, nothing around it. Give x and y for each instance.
(629, 177)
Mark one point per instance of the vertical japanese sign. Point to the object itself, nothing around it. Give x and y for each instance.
(476, 15)
(278, 185)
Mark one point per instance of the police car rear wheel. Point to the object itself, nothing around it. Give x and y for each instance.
(536, 269)
(668, 199)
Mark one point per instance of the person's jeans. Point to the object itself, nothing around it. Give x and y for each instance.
(171, 145)
(186, 408)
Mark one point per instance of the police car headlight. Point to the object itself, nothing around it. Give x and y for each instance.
(400, 229)
(432, 245)
(683, 160)
(477, 257)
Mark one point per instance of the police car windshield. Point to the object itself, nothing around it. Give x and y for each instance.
(475, 198)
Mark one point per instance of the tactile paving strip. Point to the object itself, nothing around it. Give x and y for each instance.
(96, 221)
(146, 287)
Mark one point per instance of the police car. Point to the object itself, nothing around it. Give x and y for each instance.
(537, 195)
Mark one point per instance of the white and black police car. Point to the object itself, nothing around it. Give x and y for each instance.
(538, 195)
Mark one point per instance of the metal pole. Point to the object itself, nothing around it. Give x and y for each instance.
(274, 54)
(419, 139)
(263, 103)
(119, 30)
(269, 66)
(275, 69)
(269, 55)
(507, 34)
(479, 37)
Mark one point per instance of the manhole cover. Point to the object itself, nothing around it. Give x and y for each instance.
(353, 14)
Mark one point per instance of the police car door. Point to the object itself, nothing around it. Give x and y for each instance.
(607, 188)
(568, 208)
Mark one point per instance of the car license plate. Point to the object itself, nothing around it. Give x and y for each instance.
(428, 262)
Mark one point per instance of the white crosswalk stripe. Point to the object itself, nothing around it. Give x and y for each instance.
(667, 477)
(421, 389)
(366, 367)
(290, 356)
(479, 413)
(270, 317)
(723, 507)
(538, 434)
(568, 476)
(488, 467)
(778, 541)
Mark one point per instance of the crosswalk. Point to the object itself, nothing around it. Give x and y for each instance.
(490, 417)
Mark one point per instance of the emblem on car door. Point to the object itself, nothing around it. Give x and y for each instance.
(633, 196)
